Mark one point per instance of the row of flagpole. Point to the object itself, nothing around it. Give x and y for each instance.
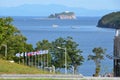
(38, 59)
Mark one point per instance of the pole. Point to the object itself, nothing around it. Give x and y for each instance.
(26, 59)
(44, 62)
(65, 58)
(41, 61)
(73, 69)
(65, 61)
(35, 59)
(38, 60)
(5, 49)
(47, 59)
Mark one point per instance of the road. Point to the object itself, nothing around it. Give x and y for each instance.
(39, 76)
(53, 76)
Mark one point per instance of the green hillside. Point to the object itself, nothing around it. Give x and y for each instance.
(111, 20)
(12, 68)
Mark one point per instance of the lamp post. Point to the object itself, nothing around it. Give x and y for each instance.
(65, 58)
(73, 69)
(5, 49)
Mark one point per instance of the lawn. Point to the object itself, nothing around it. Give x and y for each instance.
(13, 68)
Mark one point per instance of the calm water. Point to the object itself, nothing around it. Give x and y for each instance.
(83, 30)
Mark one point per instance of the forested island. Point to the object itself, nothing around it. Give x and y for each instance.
(111, 20)
(63, 15)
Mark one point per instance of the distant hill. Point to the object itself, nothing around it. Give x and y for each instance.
(111, 20)
(12, 68)
(45, 10)
(63, 15)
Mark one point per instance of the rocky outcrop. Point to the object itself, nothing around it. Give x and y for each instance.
(63, 15)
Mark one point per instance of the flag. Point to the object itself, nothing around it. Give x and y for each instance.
(17, 55)
(32, 53)
(46, 51)
(22, 54)
(41, 52)
(25, 54)
(37, 52)
(29, 54)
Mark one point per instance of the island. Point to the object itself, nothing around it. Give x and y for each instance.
(111, 20)
(63, 15)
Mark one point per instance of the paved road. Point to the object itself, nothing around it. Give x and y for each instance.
(39, 76)
(53, 76)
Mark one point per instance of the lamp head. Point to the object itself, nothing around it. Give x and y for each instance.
(59, 47)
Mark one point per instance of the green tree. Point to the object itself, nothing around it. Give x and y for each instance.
(6, 29)
(43, 45)
(97, 57)
(17, 44)
(12, 38)
(45, 58)
(74, 57)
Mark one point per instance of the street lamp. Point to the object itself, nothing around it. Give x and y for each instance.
(65, 58)
(5, 49)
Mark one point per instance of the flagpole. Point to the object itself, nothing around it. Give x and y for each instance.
(32, 60)
(47, 60)
(44, 61)
(41, 61)
(38, 60)
(29, 60)
(19, 60)
(35, 59)
(26, 59)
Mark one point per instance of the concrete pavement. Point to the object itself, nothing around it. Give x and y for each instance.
(54, 76)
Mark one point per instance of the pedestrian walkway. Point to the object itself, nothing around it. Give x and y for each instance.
(54, 76)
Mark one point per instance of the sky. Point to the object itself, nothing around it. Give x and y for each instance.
(89, 4)
(86, 4)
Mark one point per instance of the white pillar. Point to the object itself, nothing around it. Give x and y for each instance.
(117, 32)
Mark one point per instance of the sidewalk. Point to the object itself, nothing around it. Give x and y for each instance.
(54, 76)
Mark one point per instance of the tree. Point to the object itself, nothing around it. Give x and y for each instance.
(97, 57)
(6, 29)
(12, 38)
(43, 45)
(17, 44)
(45, 58)
(74, 57)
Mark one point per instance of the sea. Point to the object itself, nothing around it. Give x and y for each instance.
(83, 30)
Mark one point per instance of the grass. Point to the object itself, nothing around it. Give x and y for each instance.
(30, 79)
(58, 79)
(42, 79)
(13, 68)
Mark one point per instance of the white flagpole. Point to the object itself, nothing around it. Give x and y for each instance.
(41, 61)
(35, 59)
(38, 60)
(47, 59)
(26, 58)
(44, 61)
(29, 60)
(19, 60)
(32, 60)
